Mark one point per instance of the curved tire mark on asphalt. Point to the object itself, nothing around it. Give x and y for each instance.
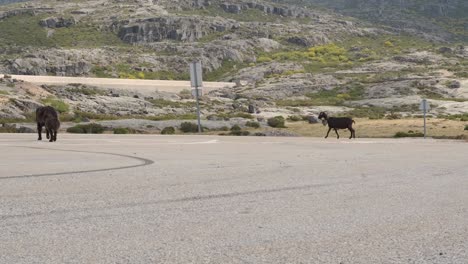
(198, 198)
(144, 162)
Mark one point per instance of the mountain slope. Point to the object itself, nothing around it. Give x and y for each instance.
(286, 54)
(442, 20)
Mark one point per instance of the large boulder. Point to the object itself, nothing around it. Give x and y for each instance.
(23, 129)
(313, 119)
(57, 22)
(300, 41)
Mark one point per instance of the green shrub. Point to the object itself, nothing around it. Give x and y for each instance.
(461, 117)
(252, 124)
(408, 134)
(389, 44)
(239, 133)
(124, 130)
(277, 121)
(294, 118)
(187, 116)
(241, 115)
(224, 128)
(121, 130)
(236, 128)
(168, 131)
(94, 129)
(245, 133)
(58, 104)
(262, 59)
(185, 94)
(86, 129)
(466, 127)
(67, 117)
(75, 130)
(189, 127)
(259, 134)
(343, 96)
(227, 116)
(235, 133)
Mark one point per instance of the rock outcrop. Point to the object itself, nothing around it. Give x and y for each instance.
(186, 29)
(43, 66)
(57, 22)
(26, 11)
(284, 11)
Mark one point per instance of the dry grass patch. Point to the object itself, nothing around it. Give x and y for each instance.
(366, 128)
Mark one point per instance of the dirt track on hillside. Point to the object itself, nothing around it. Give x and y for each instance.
(159, 85)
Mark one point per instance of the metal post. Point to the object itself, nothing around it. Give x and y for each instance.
(198, 103)
(424, 110)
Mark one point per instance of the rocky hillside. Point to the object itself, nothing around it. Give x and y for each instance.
(288, 56)
(156, 39)
(438, 20)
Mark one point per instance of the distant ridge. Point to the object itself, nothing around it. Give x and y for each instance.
(5, 2)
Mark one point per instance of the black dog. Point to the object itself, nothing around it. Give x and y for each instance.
(48, 117)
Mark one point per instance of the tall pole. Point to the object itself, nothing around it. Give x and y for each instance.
(424, 110)
(198, 101)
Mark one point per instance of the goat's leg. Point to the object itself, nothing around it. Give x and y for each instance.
(329, 129)
(47, 133)
(55, 135)
(354, 133)
(39, 130)
(337, 135)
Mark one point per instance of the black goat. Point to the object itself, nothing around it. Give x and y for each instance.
(48, 117)
(338, 123)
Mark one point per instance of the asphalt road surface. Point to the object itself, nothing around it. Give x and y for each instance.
(203, 199)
